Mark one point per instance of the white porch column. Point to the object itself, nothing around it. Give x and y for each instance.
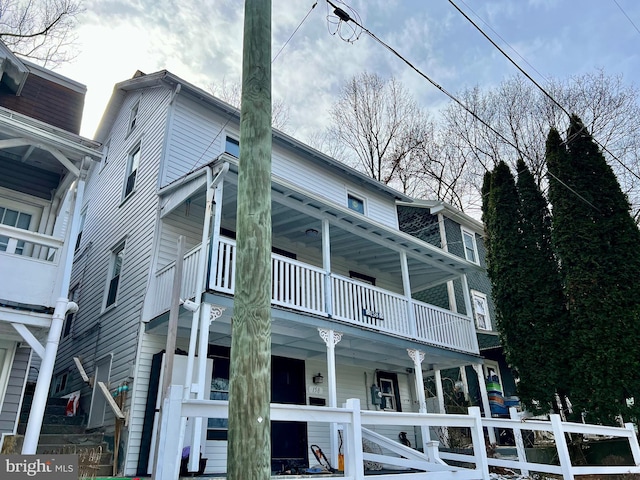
(444, 432)
(418, 357)
(62, 306)
(439, 391)
(326, 265)
(208, 313)
(485, 399)
(406, 284)
(215, 232)
(331, 339)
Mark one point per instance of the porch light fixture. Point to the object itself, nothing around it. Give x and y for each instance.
(311, 232)
(318, 378)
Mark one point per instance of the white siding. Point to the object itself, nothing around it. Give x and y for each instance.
(315, 178)
(197, 136)
(110, 220)
(15, 390)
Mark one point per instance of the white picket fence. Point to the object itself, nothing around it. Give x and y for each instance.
(357, 425)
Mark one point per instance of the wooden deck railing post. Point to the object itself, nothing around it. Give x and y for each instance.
(517, 435)
(561, 447)
(479, 447)
(633, 443)
(353, 457)
(169, 449)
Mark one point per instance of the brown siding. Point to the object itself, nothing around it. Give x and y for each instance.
(46, 101)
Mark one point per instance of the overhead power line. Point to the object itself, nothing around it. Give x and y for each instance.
(231, 113)
(625, 14)
(547, 94)
(345, 17)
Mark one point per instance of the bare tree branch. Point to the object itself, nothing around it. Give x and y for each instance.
(40, 30)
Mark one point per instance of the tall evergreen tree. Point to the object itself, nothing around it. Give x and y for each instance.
(542, 305)
(597, 243)
(519, 261)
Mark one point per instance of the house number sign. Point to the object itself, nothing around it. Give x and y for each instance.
(372, 314)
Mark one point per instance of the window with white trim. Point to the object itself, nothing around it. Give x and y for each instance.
(133, 116)
(83, 216)
(232, 146)
(481, 310)
(70, 317)
(105, 154)
(133, 161)
(470, 246)
(355, 203)
(115, 268)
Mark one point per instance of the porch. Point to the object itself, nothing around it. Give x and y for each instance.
(308, 289)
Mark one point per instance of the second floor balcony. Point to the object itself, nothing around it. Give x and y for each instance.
(327, 261)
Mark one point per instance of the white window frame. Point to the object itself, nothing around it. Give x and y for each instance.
(493, 366)
(6, 363)
(469, 233)
(481, 296)
(133, 165)
(81, 220)
(105, 154)
(134, 113)
(116, 252)
(234, 140)
(360, 198)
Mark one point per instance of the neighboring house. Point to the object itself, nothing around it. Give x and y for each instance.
(43, 163)
(344, 322)
(440, 224)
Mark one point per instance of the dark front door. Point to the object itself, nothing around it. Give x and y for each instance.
(288, 439)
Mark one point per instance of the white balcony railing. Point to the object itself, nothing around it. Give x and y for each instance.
(32, 258)
(302, 287)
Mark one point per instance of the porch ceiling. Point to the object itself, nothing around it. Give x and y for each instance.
(295, 335)
(36, 144)
(297, 225)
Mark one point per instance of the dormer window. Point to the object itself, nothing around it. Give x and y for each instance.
(355, 203)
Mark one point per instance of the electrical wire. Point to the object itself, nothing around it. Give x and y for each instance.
(237, 110)
(625, 14)
(547, 94)
(294, 32)
(345, 17)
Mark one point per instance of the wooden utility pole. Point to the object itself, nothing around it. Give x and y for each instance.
(249, 446)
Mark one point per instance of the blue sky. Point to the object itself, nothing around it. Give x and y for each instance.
(201, 41)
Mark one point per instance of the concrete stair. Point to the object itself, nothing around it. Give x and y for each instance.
(68, 435)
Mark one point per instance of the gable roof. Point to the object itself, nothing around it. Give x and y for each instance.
(182, 87)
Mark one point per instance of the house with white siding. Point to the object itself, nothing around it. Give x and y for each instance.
(43, 166)
(345, 321)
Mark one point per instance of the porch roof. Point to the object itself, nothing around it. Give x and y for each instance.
(353, 236)
(295, 335)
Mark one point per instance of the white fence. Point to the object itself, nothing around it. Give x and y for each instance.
(408, 463)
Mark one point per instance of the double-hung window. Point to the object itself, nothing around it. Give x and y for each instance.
(481, 310)
(133, 116)
(470, 246)
(115, 268)
(133, 161)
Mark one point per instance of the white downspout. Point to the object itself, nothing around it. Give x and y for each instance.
(34, 425)
(202, 318)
